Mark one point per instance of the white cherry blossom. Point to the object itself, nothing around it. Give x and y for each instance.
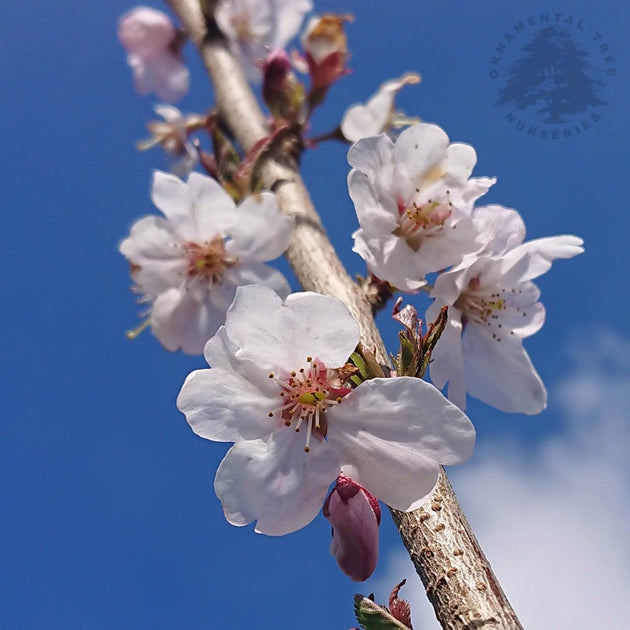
(378, 114)
(493, 306)
(188, 264)
(252, 27)
(275, 390)
(171, 134)
(413, 199)
(149, 36)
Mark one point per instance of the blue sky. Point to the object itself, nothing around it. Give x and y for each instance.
(109, 518)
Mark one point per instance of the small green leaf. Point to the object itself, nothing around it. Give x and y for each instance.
(371, 616)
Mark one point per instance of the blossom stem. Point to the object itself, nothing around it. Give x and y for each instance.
(457, 577)
(335, 134)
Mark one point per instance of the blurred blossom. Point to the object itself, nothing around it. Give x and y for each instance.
(188, 264)
(325, 47)
(492, 307)
(172, 135)
(252, 27)
(378, 115)
(355, 516)
(277, 389)
(282, 92)
(413, 199)
(150, 39)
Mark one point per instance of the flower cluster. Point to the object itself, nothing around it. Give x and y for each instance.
(188, 264)
(304, 404)
(414, 199)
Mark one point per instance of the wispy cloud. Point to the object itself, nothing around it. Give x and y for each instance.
(554, 519)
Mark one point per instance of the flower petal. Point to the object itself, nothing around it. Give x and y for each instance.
(261, 232)
(501, 373)
(257, 273)
(499, 229)
(377, 214)
(169, 76)
(170, 194)
(375, 158)
(361, 121)
(390, 259)
(392, 434)
(185, 319)
(153, 251)
(214, 210)
(418, 149)
(222, 406)
(543, 251)
(447, 359)
(458, 163)
(283, 335)
(275, 482)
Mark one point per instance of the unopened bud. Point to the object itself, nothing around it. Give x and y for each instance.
(355, 516)
(282, 92)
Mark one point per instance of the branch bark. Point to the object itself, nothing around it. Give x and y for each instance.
(458, 579)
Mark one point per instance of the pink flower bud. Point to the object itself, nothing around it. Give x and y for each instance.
(150, 38)
(355, 516)
(282, 92)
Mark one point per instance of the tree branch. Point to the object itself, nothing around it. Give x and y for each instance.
(458, 579)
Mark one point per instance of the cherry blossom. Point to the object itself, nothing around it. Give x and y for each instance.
(378, 114)
(492, 307)
(188, 264)
(172, 135)
(254, 26)
(355, 516)
(149, 37)
(277, 389)
(413, 199)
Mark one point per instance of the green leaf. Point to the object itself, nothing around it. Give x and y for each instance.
(371, 616)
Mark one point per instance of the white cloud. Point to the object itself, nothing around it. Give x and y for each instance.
(554, 519)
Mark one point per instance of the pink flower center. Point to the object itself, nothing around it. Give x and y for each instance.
(419, 220)
(209, 260)
(306, 395)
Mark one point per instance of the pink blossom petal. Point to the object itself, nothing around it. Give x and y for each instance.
(418, 149)
(501, 373)
(308, 324)
(214, 211)
(261, 231)
(145, 32)
(447, 359)
(392, 434)
(257, 273)
(184, 320)
(500, 229)
(221, 405)
(170, 194)
(458, 162)
(379, 213)
(391, 259)
(275, 482)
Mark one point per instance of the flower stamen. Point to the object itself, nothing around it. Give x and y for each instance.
(306, 394)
